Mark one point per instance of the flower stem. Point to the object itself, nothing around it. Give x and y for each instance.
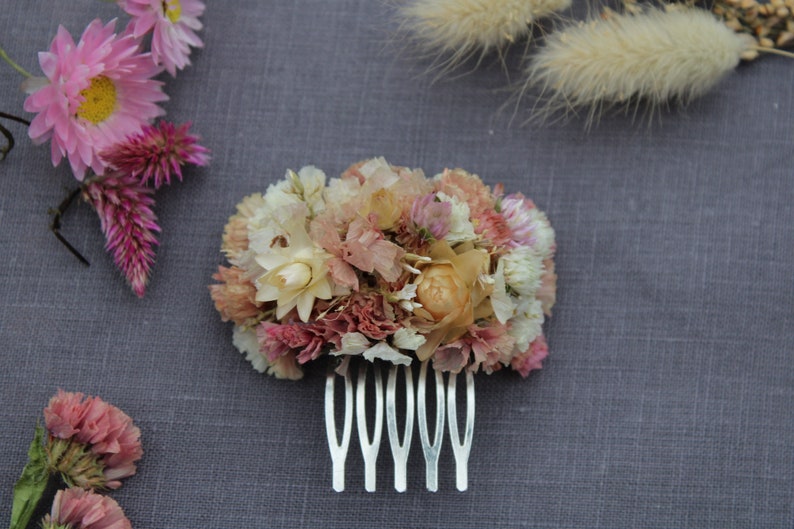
(14, 65)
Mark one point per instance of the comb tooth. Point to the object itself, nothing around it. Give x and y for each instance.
(431, 451)
(338, 451)
(400, 452)
(461, 449)
(369, 449)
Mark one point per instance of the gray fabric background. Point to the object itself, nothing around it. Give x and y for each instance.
(667, 399)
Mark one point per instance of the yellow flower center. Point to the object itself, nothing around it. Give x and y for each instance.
(100, 100)
(172, 10)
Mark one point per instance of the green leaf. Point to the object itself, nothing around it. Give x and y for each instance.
(31, 484)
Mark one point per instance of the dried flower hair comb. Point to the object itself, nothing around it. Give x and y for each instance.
(385, 266)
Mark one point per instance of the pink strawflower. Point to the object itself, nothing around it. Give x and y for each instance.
(235, 297)
(96, 92)
(76, 508)
(431, 216)
(129, 225)
(532, 358)
(93, 444)
(173, 24)
(156, 152)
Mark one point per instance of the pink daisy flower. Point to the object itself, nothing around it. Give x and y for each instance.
(76, 508)
(96, 93)
(156, 152)
(173, 24)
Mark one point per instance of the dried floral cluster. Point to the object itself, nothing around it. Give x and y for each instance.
(384, 263)
(87, 445)
(96, 104)
(652, 53)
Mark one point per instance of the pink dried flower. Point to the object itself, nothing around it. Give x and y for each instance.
(307, 339)
(547, 293)
(76, 508)
(156, 152)
(129, 225)
(492, 227)
(96, 93)
(92, 443)
(532, 358)
(467, 188)
(485, 345)
(235, 297)
(366, 249)
(431, 216)
(173, 24)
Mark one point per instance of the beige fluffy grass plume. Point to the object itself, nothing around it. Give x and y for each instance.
(459, 29)
(656, 56)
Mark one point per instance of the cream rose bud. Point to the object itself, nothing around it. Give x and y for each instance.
(292, 276)
(441, 290)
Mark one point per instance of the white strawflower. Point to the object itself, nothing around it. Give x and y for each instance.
(523, 268)
(460, 226)
(659, 56)
(525, 326)
(245, 341)
(408, 339)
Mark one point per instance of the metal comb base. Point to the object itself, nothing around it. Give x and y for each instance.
(446, 409)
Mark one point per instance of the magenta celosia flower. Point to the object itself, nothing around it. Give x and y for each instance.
(76, 508)
(156, 152)
(129, 225)
(91, 443)
(173, 24)
(97, 92)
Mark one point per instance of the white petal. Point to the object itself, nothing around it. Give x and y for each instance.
(384, 351)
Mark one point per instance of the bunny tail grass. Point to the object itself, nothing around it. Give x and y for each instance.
(460, 29)
(656, 57)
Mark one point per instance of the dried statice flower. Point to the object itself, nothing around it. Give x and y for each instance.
(91, 443)
(124, 207)
(157, 152)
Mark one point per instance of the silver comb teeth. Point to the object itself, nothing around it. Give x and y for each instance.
(445, 408)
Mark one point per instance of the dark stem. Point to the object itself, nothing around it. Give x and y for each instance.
(57, 213)
(7, 133)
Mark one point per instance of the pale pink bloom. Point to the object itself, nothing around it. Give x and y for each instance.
(485, 346)
(431, 216)
(492, 227)
(342, 273)
(125, 212)
(76, 508)
(103, 428)
(173, 24)
(547, 293)
(467, 188)
(156, 152)
(100, 90)
(529, 225)
(532, 358)
(235, 297)
(235, 233)
(306, 339)
(366, 249)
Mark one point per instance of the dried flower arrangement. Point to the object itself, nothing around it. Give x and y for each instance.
(96, 104)
(386, 264)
